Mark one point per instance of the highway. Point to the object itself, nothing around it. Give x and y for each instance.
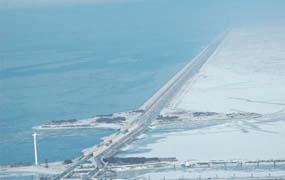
(151, 110)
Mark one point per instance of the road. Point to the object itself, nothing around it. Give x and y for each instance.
(151, 110)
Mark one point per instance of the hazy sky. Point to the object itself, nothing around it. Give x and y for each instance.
(237, 7)
(230, 11)
(21, 3)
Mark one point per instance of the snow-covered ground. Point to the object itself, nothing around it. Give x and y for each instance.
(54, 168)
(249, 64)
(212, 174)
(259, 139)
(240, 140)
(246, 73)
(91, 122)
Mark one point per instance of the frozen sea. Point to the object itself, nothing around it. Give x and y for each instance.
(62, 62)
(243, 65)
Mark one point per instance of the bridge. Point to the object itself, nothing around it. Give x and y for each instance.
(151, 110)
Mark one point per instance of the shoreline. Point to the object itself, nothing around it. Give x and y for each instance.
(188, 71)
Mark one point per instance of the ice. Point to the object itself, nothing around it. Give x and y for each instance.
(234, 140)
(246, 73)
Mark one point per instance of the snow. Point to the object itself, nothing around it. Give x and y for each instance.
(54, 168)
(213, 174)
(240, 140)
(90, 123)
(259, 139)
(246, 73)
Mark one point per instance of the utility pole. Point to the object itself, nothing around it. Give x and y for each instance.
(35, 148)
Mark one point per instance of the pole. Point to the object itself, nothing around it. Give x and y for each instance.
(46, 163)
(35, 148)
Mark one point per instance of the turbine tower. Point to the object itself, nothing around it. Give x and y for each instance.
(35, 148)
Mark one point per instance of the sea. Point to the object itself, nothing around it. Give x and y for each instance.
(73, 61)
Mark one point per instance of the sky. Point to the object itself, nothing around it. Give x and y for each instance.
(238, 8)
(27, 3)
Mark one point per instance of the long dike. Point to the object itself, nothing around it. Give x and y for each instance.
(150, 109)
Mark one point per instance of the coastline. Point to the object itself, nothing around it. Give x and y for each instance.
(188, 71)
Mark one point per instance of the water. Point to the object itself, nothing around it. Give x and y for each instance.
(65, 61)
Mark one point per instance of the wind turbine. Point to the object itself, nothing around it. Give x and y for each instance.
(35, 148)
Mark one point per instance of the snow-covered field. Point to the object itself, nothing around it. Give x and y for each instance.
(246, 73)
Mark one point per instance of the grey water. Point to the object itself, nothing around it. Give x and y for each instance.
(63, 61)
